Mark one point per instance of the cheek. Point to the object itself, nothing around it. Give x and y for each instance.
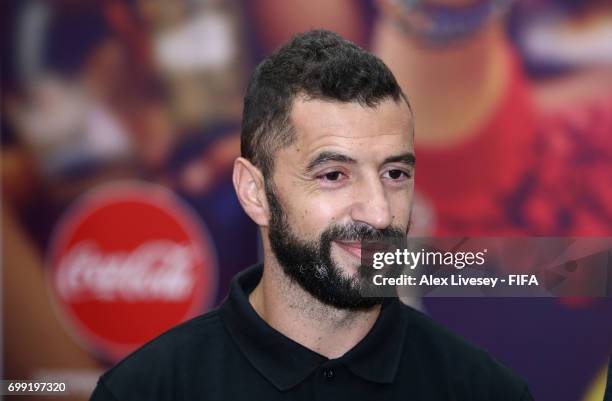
(314, 214)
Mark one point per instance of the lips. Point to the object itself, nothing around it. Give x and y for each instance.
(353, 247)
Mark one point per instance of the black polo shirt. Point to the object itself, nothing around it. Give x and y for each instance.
(232, 354)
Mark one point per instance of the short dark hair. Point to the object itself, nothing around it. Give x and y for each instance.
(317, 64)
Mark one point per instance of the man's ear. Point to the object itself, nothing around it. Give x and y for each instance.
(249, 185)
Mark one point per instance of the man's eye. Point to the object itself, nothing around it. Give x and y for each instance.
(331, 176)
(396, 174)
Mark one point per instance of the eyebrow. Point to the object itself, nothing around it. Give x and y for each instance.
(326, 157)
(405, 158)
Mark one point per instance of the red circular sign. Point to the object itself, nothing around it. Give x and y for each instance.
(127, 262)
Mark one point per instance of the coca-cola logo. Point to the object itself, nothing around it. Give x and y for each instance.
(127, 262)
(156, 270)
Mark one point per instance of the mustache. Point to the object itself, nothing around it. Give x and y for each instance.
(362, 232)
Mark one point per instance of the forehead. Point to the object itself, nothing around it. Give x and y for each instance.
(319, 123)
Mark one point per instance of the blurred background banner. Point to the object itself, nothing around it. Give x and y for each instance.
(120, 121)
(126, 262)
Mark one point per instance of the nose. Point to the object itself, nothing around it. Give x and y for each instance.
(371, 205)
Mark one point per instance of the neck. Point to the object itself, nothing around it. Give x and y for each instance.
(453, 89)
(293, 312)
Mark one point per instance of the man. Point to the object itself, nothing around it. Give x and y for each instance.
(327, 161)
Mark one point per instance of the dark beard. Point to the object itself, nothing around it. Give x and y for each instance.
(310, 264)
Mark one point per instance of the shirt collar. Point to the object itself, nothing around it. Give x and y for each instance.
(285, 363)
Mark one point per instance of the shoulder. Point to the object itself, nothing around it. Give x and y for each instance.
(461, 366)
(148, 373)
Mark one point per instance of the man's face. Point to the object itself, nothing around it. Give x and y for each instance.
(348, 177)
